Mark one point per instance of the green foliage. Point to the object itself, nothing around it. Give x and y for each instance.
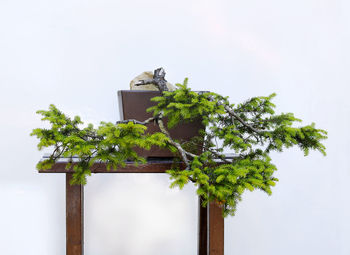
(108, 143)
(256, 132)
(251, 130)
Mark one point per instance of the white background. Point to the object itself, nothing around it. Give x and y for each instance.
(77, 54)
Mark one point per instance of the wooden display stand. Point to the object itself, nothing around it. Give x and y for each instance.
(210, 222)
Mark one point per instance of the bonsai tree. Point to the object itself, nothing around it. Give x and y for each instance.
(250, 129)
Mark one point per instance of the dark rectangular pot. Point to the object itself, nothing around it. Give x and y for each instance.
(133, 105)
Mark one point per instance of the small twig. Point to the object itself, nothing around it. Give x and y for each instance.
(60, 152)
(220, 156)
(137, 121)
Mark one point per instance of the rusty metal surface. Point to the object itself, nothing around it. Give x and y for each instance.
(216, 230)
(159, 166)
(202, 229)
(74, 218)
(135, 104)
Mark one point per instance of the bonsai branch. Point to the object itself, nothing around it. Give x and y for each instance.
(182, 152)
(234, 115)
(163, 129)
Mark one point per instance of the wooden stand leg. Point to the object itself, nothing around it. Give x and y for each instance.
(216, 230)
(202, 228)
(74, 218)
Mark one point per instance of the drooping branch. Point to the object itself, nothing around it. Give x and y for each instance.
(182, 152)
(159, 120)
